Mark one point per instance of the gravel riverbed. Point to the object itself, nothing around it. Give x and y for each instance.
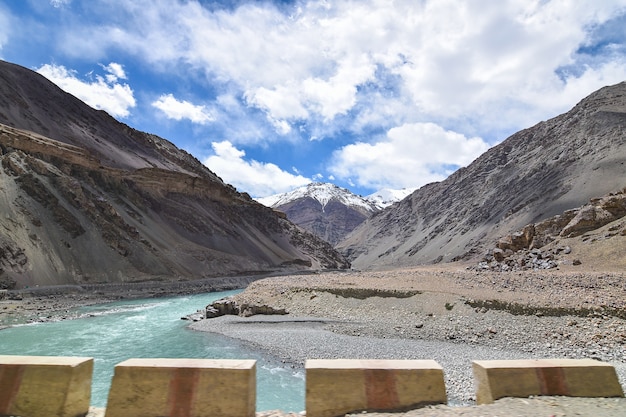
(447, 315)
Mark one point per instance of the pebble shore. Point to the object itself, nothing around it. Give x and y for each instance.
(446, 315)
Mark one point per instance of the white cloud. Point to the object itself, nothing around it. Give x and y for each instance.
(179, 110)
(103, 93)
(115, 70)
(256, 178)
(455, 60)
(409, 156)
(280, 101)
(315, 68)
(60, 3)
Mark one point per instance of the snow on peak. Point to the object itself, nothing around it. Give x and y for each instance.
(387, 196)
(322, 192)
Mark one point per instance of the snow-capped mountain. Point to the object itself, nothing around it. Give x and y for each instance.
(386, 196)
(323, 193)
(326, 210)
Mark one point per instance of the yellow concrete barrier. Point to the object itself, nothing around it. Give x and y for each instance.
(45, 386)
(338, 386)
(183, 388)
(523, 378)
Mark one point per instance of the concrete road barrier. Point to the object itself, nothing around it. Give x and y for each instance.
(183, 388)
(338, 386)
(523, 378)
(45, 386)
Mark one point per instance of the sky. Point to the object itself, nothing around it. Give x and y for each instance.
(367, 94)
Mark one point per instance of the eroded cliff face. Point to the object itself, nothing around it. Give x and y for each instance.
(123, 206)
(537, 173)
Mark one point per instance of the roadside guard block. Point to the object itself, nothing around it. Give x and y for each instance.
(338, 386)
(523, 378)
(183, 388)
(45, 386)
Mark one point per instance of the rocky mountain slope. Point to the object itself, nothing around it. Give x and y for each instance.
(593, 235)
(535, 174)
(88, 199)
(326, 210)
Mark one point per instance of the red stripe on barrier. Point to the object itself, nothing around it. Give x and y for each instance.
(10, 381)
(552, 381)
(182, 391)
(380, 389)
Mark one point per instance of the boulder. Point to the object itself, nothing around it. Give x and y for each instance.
(523, 248)
(228, 306)
(498, 255)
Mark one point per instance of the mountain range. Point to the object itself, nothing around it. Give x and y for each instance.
(326, 210)
(87, 199)
(540, 172)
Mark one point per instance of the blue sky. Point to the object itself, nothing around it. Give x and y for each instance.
(367, 94)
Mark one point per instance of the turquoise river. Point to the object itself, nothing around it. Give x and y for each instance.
(151, 328)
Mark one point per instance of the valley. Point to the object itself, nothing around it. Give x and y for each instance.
(519, 254)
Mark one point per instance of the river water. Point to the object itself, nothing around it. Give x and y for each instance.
(151, 328)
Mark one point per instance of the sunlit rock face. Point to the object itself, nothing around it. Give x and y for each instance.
(537, 173)
(88, 199)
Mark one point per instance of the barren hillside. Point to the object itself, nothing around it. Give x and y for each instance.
(88, 199)
(537, 173)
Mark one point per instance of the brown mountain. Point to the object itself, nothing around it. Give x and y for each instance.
(85, 198)
(537, 173)
(326, 210)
